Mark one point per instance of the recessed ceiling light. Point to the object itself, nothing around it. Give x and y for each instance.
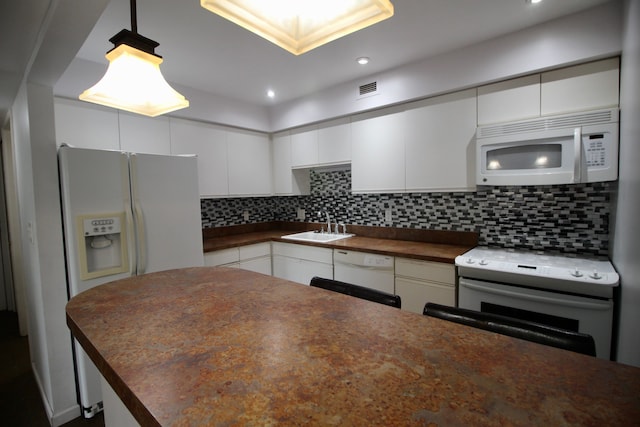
(363, 60)
(533, 1)
(271, 93)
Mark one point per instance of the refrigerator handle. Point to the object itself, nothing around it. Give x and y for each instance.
(142, 247)
(130, 228)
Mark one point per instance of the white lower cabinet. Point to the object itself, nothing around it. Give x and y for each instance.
(419, 282)
(300, 263)
(256, 257)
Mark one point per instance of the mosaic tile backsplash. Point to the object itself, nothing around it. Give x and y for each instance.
(561, 218)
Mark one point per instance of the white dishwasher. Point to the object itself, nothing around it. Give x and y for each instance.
(369, 270)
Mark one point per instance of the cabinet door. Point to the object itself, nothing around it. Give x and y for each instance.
(287, 181)
(414, 294)
(86, 126)
(304, 147)
(334, 142)
(258, 265)
(209, 143)
(378, 159)
(140, 134)
(440, 150)
(249, 157)
(515, 99)
(582, 87)
(282, 176)
(300, 270)
(222, 257)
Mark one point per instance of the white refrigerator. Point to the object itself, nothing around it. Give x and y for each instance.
(124, 214)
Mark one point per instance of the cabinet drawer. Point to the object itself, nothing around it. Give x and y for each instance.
(426, 270)
(259, 265)
(415, 294)
(223, 256)
(255, 251)
(311, 253)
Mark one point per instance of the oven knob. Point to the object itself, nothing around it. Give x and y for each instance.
(470, 261)
(484, 262)
(576, 273)
(595, 275)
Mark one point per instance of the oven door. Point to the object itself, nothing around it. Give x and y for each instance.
(582, 314)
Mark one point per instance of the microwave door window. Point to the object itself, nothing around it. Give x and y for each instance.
(524, 157)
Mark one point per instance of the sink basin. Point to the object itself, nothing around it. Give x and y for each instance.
(312, 236)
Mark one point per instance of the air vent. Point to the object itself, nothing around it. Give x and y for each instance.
(548, 123)
(368, 89)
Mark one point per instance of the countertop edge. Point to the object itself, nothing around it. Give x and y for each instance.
(139, 411)
(356, 243)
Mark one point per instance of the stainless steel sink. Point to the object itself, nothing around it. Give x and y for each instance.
(314, 236)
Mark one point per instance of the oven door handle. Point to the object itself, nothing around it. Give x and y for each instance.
(599, 305)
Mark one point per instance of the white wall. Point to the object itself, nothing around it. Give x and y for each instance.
(592, 34)
(43, 261)
(36, 175)
(626, 236)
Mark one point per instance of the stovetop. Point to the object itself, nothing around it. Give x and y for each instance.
(583, 276)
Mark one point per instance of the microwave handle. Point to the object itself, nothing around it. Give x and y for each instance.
(577, 155)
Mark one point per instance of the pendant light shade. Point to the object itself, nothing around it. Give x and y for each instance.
(301, 25)
(133, 81)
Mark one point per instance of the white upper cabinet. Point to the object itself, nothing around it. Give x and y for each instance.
(439, 143)
(209, 143)
(582, 87)
(516, 99)
(287, 182)
(304, 147)
(378, 155)
(334, 142)
(86, 126)
(249, 162)
(140, 134)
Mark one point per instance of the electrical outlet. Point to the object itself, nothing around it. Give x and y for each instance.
(387, 215)
(246, 215)
(301, 214)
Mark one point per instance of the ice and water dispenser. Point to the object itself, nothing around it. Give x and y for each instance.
(102, 245)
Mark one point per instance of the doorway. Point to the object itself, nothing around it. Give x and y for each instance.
(11, 287)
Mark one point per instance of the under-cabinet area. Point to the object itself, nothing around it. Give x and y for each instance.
(415, 281)
(255, 257)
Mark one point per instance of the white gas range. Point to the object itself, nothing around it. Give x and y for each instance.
(564, 291)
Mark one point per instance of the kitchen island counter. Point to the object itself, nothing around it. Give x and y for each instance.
(218, 346)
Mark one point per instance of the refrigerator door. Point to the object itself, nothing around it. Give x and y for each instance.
(167, 212)
(94, 186)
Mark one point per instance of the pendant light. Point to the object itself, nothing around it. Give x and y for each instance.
(301, 25)
(133, 81)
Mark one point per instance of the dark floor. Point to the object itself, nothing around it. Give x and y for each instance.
(20, 400)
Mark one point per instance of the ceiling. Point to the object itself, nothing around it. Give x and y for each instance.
(204, 51)
(209, 54)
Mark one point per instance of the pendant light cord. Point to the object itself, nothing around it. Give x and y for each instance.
(134, 18)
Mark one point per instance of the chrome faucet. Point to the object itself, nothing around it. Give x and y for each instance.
(328, 220)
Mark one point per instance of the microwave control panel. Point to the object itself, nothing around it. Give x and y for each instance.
(595, 150)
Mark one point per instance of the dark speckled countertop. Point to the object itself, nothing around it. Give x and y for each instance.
(221, 347)
(428, 245)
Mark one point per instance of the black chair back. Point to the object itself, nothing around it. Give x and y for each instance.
(523, 329)
(357, 291)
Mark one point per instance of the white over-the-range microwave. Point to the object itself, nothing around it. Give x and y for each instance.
(566, 149)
